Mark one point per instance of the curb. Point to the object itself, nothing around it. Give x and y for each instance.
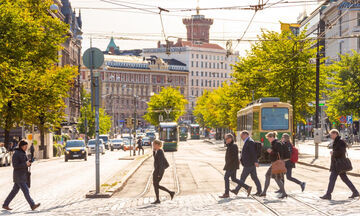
(111, 191)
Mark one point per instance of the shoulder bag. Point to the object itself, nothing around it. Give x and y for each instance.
(278, 166)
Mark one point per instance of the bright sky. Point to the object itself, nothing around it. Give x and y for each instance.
(146, 26)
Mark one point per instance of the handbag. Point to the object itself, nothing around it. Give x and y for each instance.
(278, 166)
(28, 178)
(343, 165)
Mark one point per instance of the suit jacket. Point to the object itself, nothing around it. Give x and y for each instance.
(276, 150)
(249, 153)
(339, 151)
(231, 157)
(160, 162)
(19, 160)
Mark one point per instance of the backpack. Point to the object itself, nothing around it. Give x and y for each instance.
(294, 155)
(286, 150)
(258, 149)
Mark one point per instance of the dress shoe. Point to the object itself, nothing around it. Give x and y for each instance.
(234, 192)
(156, 202)
(172, 194)
(257, 194)
(284, 195)
(278, 191)
(303, 186)
(354, 195)
(248, 191)
(262, 195)
(224, 196)
(35, 206)
(6, 208)
(326, 197)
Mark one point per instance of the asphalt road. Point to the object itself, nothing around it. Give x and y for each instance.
(57, 179)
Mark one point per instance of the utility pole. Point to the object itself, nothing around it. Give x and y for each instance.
(316, 131)
(135, 125)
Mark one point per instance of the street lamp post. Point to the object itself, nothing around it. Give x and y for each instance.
(135, 124)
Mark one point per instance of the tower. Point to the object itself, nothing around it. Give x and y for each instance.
(198, 27)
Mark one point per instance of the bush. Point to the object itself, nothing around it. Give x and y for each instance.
(58, 150)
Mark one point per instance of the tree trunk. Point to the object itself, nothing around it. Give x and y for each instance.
(42, 142)
(7, 138)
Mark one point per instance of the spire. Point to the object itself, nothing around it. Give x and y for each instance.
(112, 48)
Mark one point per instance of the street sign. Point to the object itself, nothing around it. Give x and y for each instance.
(349, 120)
(342, 119)
(97, 58)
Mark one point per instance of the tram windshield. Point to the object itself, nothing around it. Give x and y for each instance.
(183, 130)
(275, 118)
(168, 134)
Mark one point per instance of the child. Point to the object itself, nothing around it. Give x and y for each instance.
(160, 164)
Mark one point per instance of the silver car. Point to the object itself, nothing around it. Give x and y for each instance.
(92, 146)
(116, 144)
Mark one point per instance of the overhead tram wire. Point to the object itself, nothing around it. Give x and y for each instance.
(128, 6)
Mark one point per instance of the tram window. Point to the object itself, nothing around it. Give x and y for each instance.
(249, 121)
(255, 121)
(274, 118)
(168, 134)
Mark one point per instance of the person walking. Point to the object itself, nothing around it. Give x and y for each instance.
(275, 152)
(338, 152)
(140, 145)
(160, 164)
(231, 165)
(249, 160)
(285, 139)
(20, 176)
(32, 152)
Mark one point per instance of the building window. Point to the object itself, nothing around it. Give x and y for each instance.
(225, 66)
(206, 83)
(192, 92)
(197, 64)
(209, 74)
(202, 56)
(225, 75)
(192, 73)
(214, 83)
(192, 64)
(202, 64)
(218, 83)
(197, 93)
(205, 64)
(222, 65)
(222, 58)
(217, 57)
(197, 56)
(205, 56)
(202, 73)
(210, 83)
(197, 82)
(192, 82)
(206, 74)
(358, 44)
(358, 19)
(209, 64)
(192, 55)
(197, 73)
(221, 75)
(217, 65)
(214, 65)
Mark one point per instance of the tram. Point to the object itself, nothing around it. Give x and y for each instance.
(263, 116)
(183, 132)
(169, 134)
(195, 131)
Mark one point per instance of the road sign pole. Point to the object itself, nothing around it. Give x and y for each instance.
(97, 128)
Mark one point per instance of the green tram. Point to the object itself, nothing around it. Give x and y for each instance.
(195, 131)
(169, 134)
(263, 116)
(183, 132)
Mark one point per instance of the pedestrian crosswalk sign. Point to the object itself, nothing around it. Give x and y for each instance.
(342, 119)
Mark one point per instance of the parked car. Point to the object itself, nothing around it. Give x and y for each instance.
(5, 157)
(146, 141)
(75, 149)
(116, 144)
(92, 146)
(140, 135)
(128, 144)
(151, 135)
(106, 139)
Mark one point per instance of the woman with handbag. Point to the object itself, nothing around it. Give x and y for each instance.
(340, 164)
(21, 176)
(277, 168)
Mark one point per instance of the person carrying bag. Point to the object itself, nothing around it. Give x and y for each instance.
(340, 164)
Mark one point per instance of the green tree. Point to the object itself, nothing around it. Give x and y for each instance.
(169, 99)
(344, 86)
(86, 113)
(278, 66)
(46, 106)
(29, 43)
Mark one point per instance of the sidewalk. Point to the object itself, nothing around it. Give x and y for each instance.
(307, 155)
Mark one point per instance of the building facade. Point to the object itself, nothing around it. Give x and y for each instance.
(129, 81)
(209, 64)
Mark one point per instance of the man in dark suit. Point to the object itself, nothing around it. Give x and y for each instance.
(231, 165)
(249, 160)
(160, 164)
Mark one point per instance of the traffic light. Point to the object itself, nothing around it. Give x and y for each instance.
(138, 122)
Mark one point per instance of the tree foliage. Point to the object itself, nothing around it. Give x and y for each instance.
(344, 86)
(29, 44)
(168, 99)
(86, 113)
